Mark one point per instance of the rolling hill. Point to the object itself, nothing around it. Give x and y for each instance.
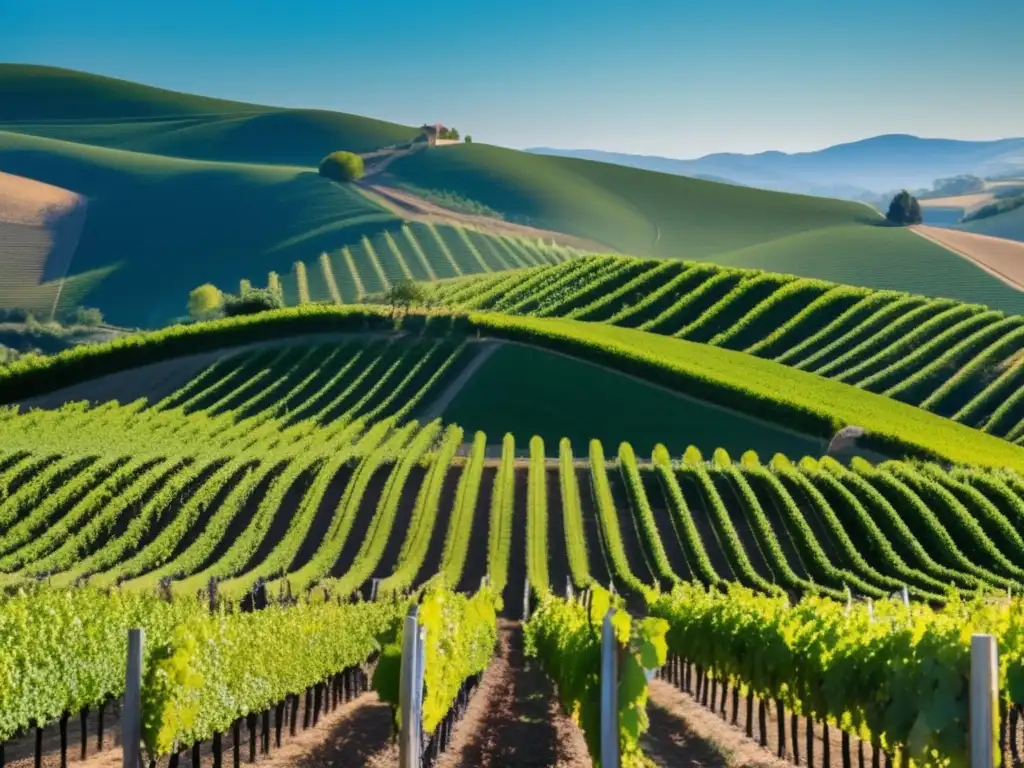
(184, 189)
(874, 165)
(165, 225)
(657, 214)
(1009, 225)
(959, 360)
(118, 114)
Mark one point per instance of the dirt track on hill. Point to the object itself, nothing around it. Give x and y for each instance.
(414, 208)
(998, 256)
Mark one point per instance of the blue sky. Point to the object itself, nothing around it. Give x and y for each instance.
(679, 78)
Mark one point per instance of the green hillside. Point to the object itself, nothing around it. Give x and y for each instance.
(299, 459)
(170, 224)
(656, 214)
(1009, 225)
(956, 359)
(530, 391)
(878, 257)
(107, 112)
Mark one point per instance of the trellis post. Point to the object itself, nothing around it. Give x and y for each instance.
(131, 718)
(609, 693)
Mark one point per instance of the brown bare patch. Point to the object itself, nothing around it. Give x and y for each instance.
(967, 202)
(40, 225)
(514, 719)
(998, 256)
(676, 719)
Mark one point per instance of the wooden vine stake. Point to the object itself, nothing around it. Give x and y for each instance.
(984, 711)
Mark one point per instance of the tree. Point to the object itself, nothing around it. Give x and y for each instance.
(468, 139)
(342, 166)
(251, 301)
(204, 301)
(404, 293)
(88, 316)
(904, 209)
(453, 134)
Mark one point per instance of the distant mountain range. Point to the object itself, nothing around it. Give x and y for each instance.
(858, 170)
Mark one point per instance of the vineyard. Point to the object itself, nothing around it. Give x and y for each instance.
(962, 361)
(324, 467)
(415, 251)
(568, 509)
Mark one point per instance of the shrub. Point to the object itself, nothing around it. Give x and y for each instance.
(468, 139)
(15, 315)
(404, 293)
(904, 209)
(204, 301)
(251, 301)
(342, 166)
(88, 316)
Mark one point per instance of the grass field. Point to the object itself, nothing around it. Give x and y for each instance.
(106, 112)
(958, 360)
(529, 391)
(652, 214)
(169, 225)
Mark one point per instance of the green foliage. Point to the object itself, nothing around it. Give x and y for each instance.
(88, 316)
(204, 301)
(904, 209)
(964, 184)
(835, 664)
(211, 670)
(251, 301)
(405, 293)
(461, 634)
(537, 520)
(62, 651)
(468, 139)
(566, 637)
(342, 166)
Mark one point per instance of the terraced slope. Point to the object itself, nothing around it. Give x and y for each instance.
(294, 466)
(118, 114)
(958, 360)
(414, 250)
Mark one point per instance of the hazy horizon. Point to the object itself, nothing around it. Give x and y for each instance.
(654, 78)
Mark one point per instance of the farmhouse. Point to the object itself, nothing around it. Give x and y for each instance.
(439, 134)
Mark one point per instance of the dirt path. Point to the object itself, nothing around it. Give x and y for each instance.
(515, 718)
(414, 208)
(683, 732)
(358, 733)
(998, 256)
